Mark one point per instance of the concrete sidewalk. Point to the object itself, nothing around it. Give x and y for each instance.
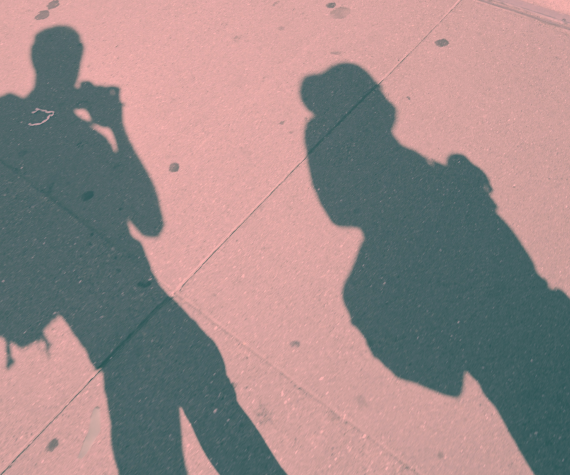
(213, 108)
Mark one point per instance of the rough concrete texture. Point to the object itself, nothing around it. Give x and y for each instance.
(259, 282)
(211, 95)
(303, 433)
(249, 249)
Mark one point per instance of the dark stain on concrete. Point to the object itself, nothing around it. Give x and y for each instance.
(441, 43)
(340, 13)
(42, 15)
(263, 414)
(87, 195)
(331, 5)
(333, 416)
(144, 283)
(53, 443)
(295, 344)
(174, 167)
(53, 4)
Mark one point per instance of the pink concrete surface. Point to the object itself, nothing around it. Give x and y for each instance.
(214, 87)
(496, 93)
(278, 283)
(57, 448)
(303, 433)
(38, 386)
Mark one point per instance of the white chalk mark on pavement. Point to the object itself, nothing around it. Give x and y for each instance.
(49, 114)
(92, 433)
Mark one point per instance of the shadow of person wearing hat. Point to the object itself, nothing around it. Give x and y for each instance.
(441, 285)
(67, 202)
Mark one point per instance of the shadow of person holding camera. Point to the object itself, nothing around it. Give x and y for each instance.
(441, 285)
(66, 249)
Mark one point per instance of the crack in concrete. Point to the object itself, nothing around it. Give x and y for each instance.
(95, 426)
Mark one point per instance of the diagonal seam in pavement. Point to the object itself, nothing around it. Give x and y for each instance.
(42, 430)
(176, 293)
(263, 200)
(307, 392)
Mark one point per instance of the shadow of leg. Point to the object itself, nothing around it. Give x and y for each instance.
(145, 427)
(171, 363)
(227, 435)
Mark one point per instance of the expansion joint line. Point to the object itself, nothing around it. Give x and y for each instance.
(341, 120)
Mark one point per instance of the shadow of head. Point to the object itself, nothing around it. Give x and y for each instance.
(441, 285)
(349, 139)
(339, 89)
(335, 93)
(56, 55)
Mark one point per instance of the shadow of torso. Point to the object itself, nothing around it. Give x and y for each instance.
(76, 257)
(65, 159)
(66, 249)
(441, 284)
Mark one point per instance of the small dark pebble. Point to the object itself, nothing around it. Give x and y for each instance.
(441, 43)
(42, 15)
(174, 167)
